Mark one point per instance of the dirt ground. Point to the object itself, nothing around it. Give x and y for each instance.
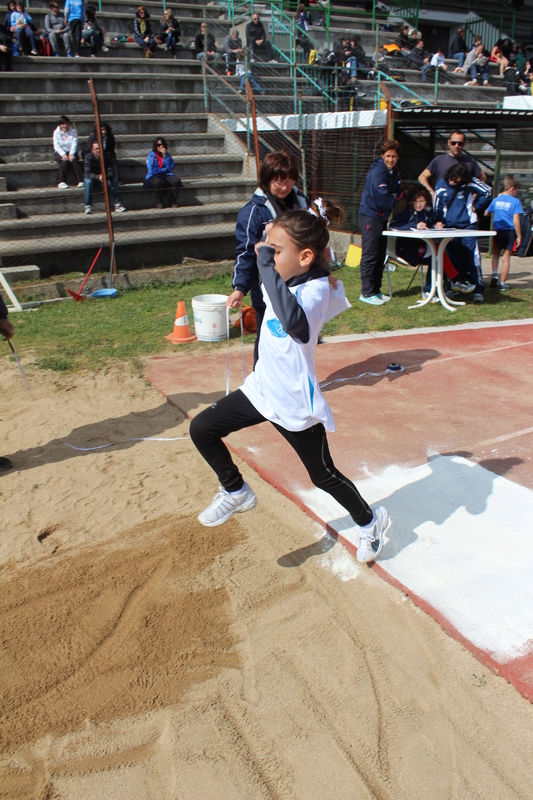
(144, 656)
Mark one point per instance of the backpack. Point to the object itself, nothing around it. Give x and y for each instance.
(511, 79)
(44, 46)
(327, 59)
(526, 229)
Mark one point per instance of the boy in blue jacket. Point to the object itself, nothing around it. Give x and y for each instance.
(74, 16)
(457, 199)
(382, 191)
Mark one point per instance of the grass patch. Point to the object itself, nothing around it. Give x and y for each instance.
(70, 336)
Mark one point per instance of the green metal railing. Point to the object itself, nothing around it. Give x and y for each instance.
(381, 98)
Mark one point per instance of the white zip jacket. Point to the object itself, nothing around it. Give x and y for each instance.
(284, 387)
(65, 144)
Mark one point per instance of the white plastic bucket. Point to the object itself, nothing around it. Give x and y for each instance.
(210, 319)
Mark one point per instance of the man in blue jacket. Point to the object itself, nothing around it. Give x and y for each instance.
(6, 332)
(382, 191)
(457, 199)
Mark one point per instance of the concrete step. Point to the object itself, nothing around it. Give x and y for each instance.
(53, 83)
(27, 273)
(110, 64)
(128, 146)
(41, 174)
(147, 248)
(19, 127)
(194, 192)
(135, 221)
(109, 104)
(128, 50)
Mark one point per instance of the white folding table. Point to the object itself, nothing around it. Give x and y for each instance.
(437, 256)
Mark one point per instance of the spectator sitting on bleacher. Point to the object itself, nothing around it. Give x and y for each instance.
(142, 32)
(55, 26)
(6, 46)
(74, 16)
(418, 57)
(458, 48)
(93, 33)
(476, 64)
(437, 62)
(108, 142)
(66, 152)
(169, 32)
(403, 41)
(11, 6)
(358, 50)
(344, 55)
(21, 27)
(256, 39)
(160, 176)
(94, 178)
(240, 70)
(497, 55)
(199, 44)
(232, 49)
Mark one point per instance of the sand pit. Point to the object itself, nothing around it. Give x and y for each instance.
(144, 656)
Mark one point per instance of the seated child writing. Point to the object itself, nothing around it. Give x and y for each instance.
(283, 388)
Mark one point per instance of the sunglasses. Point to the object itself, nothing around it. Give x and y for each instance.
(457, 144)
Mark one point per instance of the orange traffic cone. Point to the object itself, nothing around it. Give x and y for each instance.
(182, 331)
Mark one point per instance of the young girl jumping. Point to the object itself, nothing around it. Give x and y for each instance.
(283, 388)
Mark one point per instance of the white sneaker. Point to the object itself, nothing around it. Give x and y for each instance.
(62, 185)
(88, 209)
(434, 299)
(105, 49)
(119, 207)
(224, 505)
(371, 541)
(384, 297)
(466, 288)
(80, 185)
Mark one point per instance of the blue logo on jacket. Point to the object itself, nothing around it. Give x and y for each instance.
(276, 328)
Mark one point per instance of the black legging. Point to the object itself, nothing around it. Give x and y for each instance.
(75, 30)
(235, 412)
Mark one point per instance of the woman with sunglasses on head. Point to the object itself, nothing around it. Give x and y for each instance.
(277, 193)
(169, 32)
(142, 32)
(160, 177)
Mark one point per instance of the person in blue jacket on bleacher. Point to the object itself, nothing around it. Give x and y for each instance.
(160, 176)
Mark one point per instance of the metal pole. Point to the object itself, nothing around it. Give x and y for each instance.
(204, 65)
(374, 17)
(496, 180)
(293, 61)
(302, 150)
(436, 98)
(254, 122)
(104, 175)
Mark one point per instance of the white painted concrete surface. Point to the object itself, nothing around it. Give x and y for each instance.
(462, 540)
